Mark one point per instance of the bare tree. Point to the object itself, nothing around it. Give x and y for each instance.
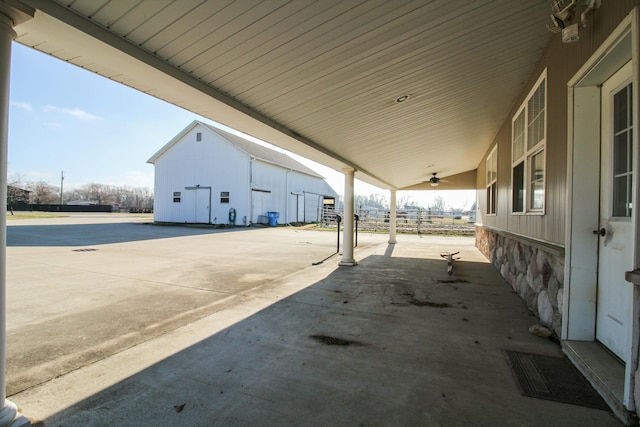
(43, 193)
(438, 204)
(126, 197)
(16, 191)
(100, 193)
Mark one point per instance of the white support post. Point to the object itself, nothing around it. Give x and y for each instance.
(9, 415)
(347, 240)
(392, 218)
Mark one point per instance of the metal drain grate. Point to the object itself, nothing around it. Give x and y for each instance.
(84, 250)
(552, 378)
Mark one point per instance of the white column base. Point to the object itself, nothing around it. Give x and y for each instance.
(347, 263)
(10, 417)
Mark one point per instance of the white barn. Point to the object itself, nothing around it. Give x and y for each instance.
(204, 174)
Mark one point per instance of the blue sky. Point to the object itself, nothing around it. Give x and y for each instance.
(64, 118)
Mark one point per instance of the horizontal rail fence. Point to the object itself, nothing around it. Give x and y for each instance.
(415, 221)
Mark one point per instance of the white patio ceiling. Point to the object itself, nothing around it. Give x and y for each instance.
(319, 78)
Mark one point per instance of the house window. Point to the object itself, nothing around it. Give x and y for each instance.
(176, 197)
(199, 136)
(224, 197)
(528, 143)
(492, 180)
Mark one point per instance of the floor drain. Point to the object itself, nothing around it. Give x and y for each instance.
(84, 250)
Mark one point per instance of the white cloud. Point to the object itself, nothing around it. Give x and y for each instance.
(73, 112)
(139, 179)
(131, 178)
(23, 105)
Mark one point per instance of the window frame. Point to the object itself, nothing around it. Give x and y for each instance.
(628, 172)
(224, 197)
(523, 182)
(491, 181)
(177, 197)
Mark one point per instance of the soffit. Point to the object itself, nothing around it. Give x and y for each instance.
(319, 78)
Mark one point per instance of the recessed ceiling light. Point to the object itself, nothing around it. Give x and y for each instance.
(402, 99)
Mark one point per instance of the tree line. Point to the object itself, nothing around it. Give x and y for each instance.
(20, 190)
(381, 202)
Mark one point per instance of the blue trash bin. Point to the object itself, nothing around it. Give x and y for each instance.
(273, 218)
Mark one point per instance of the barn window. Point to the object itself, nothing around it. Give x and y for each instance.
(176, 197)
(492, 180)
(224, 197)
(529, 136)
(199, 136)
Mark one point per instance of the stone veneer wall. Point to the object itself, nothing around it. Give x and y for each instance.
(534, 272)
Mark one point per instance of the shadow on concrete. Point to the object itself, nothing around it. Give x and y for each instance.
(102, 234)
(389, 251)
(393, 341)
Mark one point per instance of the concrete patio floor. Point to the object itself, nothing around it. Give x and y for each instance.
(260, 358)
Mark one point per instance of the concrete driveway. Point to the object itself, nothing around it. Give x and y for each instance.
(84, 287)
(195, 327)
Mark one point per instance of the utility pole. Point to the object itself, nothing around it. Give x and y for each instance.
(62, 187)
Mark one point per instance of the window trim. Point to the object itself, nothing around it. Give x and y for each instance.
(492, 159)
(529, 153)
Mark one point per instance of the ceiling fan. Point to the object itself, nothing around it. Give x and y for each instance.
(435, 181)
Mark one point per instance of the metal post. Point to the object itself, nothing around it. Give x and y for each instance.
(338, 219)
(62, 188)
(356, 218)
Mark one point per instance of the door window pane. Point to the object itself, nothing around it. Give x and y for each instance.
(621, 154)
(621, 112)
(620, 196)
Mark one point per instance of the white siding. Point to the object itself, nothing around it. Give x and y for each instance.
(212, 162)
(202, 170)
(282, 183)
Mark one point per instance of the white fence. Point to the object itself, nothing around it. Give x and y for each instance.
(420, 221)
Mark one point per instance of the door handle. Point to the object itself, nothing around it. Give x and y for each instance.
(602, 232)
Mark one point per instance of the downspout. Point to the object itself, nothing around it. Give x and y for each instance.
(286, 197)
(251, 190)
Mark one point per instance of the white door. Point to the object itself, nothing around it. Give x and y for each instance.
(203, 201)
(260, 201)
(616, 231)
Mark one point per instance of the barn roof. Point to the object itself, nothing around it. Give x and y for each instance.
(257, 151)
